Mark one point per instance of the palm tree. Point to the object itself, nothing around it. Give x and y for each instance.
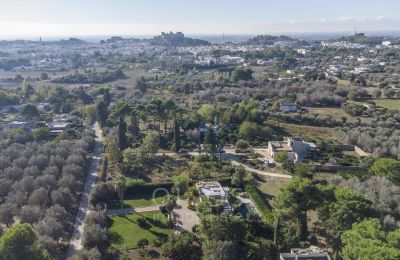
(120, 188)
(169, 204)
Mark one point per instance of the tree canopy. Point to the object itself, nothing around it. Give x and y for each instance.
(368, 240)
(21, 242)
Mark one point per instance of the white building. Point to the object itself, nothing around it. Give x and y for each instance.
(43, 107)
(386, 43)
(295, 148)
(290, 107)
(214, 190)
(312, 253)
(27, 125)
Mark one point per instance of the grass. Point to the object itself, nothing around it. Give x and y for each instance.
(271, 188)
(125, 231)
(138, 200)
(391, 104)
(305, 131)
(336, 113)
(342, 82)
(320, 176)
(351, 153)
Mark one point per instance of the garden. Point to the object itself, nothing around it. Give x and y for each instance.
(128, 230)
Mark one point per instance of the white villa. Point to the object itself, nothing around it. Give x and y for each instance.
(288, 107)
(213, 189)
(296, 148)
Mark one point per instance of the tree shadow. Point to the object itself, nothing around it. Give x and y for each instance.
(279, 131)
(153, 253)
(258, 178)
(161, 236)
(157, 223)
(115, 237)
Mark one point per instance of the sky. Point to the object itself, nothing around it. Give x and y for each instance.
(149, 17)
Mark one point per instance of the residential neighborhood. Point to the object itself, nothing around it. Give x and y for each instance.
(200, 130)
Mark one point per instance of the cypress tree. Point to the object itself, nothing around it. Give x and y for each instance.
(122, 140)
(177, 136)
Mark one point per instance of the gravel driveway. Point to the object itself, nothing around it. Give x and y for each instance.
(185, 218)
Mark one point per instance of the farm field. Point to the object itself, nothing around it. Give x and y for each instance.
(392, 104)
(336, 113)
(305, 131)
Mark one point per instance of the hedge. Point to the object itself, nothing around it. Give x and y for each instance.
(140, 188)
(137, 187)
(260, 204)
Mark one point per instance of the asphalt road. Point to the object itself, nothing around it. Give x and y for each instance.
(76, 238)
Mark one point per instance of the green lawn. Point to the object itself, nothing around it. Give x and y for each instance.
(393, 104)
(138, 200)
(125, 231)
(271, 188)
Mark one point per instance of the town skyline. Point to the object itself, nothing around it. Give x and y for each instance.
(63, 18)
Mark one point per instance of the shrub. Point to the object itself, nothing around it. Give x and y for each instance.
(281, 156)
(242, 144)
(142, 222)
(101, 193)
(142, 243)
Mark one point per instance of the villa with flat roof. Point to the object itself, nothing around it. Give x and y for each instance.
(297, 149)
(312, 253)
(214, 190)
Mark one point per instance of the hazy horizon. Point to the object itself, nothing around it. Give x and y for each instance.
(45, 18)
(205, 36)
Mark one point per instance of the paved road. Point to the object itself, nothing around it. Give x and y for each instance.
(118, 212)
(75, 242)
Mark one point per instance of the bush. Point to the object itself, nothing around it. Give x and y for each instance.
(203, 158)
(242, 144)
(97, 218)
(142, 222)
(250, 130)
(87, 254)
(95, 236)
(281, 156)
(102, 193)
(142, 243)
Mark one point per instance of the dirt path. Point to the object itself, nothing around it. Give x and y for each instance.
(76, 238)
(118, 212)
(264, 173)
(233, 159)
